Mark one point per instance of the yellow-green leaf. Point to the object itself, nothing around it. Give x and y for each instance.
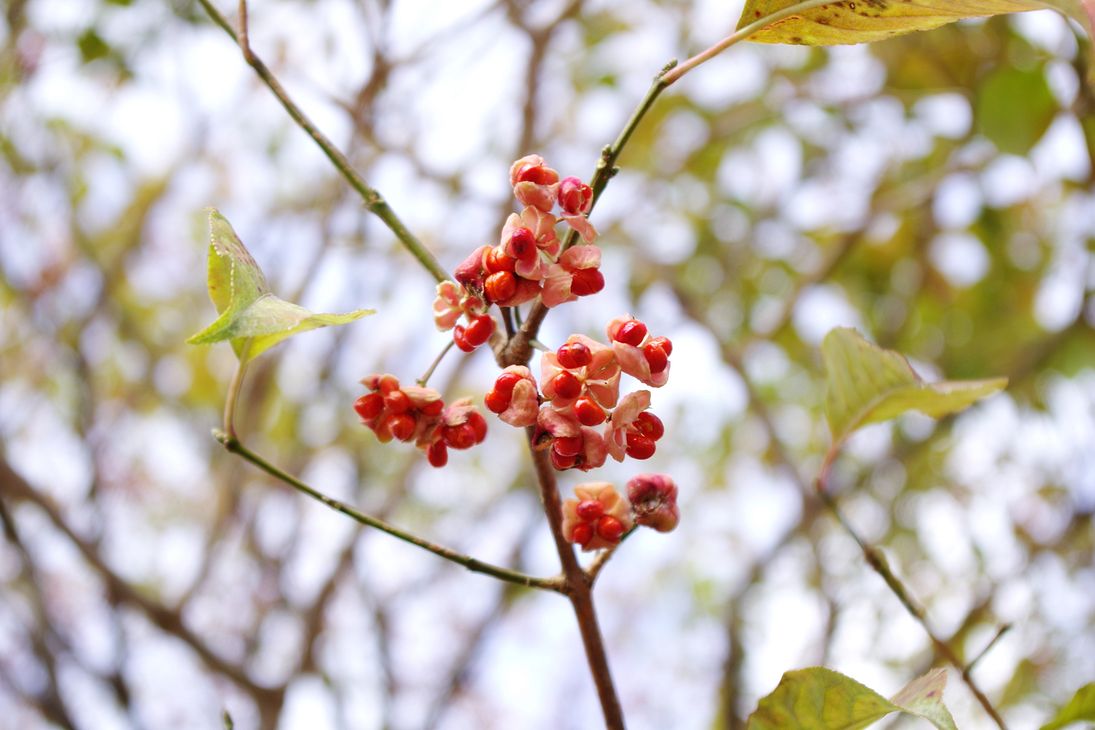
(821, 699)
(867, 384)
(817, 23)
(1080, 708)
(923, 697)
(233, 277)
(251, 318)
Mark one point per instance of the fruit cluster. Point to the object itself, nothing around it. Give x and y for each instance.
(576, 412)
(580, 390)
(598, 516)
(529, 259)
(415, 413)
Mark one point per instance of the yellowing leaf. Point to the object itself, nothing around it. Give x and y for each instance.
(821, 699)
(251, 318)
(863, 21)
(866, 384)
(923, 697)
(1080, 707)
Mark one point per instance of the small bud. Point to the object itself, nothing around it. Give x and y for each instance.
(654, 501)
(574, 196)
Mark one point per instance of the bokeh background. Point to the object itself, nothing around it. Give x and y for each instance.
(934, 191)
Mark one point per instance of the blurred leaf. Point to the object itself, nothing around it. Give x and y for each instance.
(251, 317)
(836, 23)
(821, 699)
(1080, 707)
(866, 384)
(92, 46)
(1014, 108)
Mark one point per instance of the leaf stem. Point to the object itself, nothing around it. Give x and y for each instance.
(743, 33)
(373, 200)
(234, 446)
(436, 361)
(232, 398)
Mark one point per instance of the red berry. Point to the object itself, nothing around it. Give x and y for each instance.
(506, 381)
(567, 445)
(397, 401)
(460, 337)
(590, 509)
(459, 437)
(500, 286)
(650, 425)
(387, 384)
(497, 401)
(588, 412)
(496, 259)
(581, 534)
(479, 330)
(369, 406)
(567, 385)
(401, 426)
(478, 426)
(656, 358)
(432, 408)
(639, 446)
(574, 355)
(522, 244)
(663, 343)
(437, 454)
(561, 462)
(631, 332)
(610, 528)
(586, 282)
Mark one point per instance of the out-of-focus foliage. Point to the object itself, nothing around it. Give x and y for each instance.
(934, 191)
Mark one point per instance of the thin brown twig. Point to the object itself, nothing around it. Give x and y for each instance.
(877, 561)
(373, 200)
(472, 564)
(578, 590)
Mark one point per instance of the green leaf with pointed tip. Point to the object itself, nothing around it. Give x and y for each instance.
(234, 279)
(923, 697)
(821, 699)
(1080, 707)
(863, 21)
(866, 384)
(248, 311)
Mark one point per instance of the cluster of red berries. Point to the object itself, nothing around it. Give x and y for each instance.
(415, 413)
(598, 516)
(529, 259)
(581, 390)
(577, 413)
